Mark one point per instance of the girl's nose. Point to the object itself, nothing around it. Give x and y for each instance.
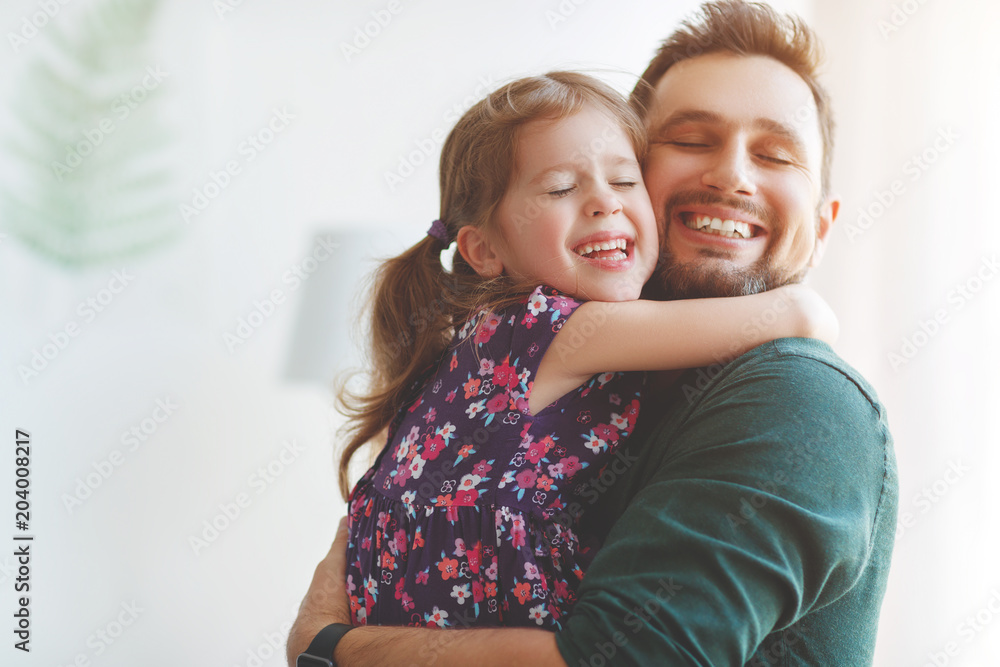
(603, 201)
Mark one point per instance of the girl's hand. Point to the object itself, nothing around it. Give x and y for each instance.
(812, 315)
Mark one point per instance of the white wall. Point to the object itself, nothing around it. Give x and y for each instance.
(355, 119)
(909, 78)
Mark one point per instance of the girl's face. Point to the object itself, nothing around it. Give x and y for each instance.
(576, 215)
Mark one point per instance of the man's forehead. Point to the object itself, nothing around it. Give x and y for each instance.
(746, 90)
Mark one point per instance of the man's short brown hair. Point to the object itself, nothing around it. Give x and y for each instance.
(746, 29)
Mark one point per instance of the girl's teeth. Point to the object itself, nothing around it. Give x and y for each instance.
(615, 244)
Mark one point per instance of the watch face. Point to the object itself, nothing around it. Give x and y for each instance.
(306, 660)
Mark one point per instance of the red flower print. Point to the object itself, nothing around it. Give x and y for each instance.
(402, 475)
(563, 304)
(450, 398)
(536, 451)
(400, 540)
(605, 432)
(528, 320)
(526, 479)
(504, 375)
(472, 387)
(477, 592)
(522, 591)
(407, 602)
(583, 417)
(490, 588)
(482, 468)
(571, 465)
(466, 497)
(473, 558)
(497, 403)
(449, 568)
(388, 561)
(545, 483)
(486, 329)
(418, 539)
(423, 577)
(433, 447)
(454, 362)
(431, 414)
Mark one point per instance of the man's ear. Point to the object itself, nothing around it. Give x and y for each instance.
(828, 211)
(479, 251)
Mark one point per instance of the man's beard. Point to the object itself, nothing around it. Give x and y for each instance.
(694, 280)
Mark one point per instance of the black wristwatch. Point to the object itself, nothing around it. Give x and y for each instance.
(320, 651)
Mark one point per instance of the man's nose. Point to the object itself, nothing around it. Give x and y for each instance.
(731, 172)
(603, 201)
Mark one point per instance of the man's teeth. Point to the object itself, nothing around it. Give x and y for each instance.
(730, 228)
(614, 244)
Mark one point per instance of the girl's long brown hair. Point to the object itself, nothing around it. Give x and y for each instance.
(417, 303)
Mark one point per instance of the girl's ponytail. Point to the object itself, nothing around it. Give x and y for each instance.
(410, 327)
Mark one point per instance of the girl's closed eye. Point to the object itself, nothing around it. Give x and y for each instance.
(692, 143)
(561, 191)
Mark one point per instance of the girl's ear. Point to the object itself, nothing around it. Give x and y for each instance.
(479, 251)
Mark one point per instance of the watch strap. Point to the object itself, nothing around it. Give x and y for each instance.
(320, 651)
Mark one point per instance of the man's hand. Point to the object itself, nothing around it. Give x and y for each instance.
(326, 600)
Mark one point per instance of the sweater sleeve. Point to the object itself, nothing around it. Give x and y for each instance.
(756, 504)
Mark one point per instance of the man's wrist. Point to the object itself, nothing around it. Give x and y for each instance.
(320, 652)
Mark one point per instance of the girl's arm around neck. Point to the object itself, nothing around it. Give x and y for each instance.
(666, 335)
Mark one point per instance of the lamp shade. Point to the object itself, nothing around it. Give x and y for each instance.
(326, 336)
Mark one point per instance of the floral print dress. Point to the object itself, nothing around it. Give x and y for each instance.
(469, 515)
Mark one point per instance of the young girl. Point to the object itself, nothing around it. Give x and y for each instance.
(502, 391)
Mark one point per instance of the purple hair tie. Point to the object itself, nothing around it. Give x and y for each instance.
(440, 232)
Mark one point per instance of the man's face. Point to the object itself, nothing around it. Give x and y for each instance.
(734, 175)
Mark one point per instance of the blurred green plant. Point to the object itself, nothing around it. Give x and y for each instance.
(91, 176)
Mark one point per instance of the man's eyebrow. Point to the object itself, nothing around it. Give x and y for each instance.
(687, 116)
(783, 131)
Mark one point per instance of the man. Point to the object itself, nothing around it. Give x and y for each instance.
(753, 525)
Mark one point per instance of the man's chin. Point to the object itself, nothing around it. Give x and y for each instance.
(698, 281)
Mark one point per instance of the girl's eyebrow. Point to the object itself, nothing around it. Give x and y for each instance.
(616, 161)
(542, 175)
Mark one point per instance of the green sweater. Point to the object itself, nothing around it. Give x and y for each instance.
(753, 526)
